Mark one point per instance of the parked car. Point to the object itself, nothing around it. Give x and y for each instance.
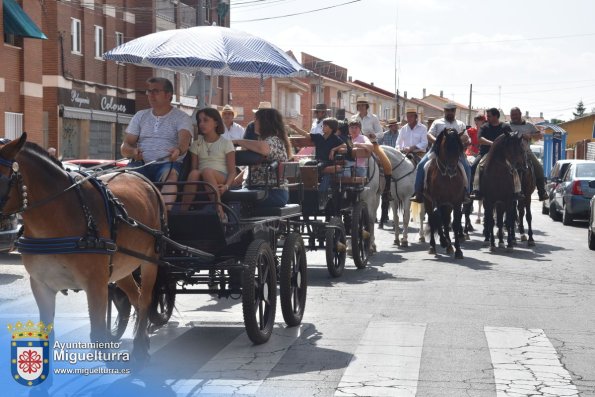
(97, 164)
(9, 231)
(591, 232)
(573, 194)
(558, 171)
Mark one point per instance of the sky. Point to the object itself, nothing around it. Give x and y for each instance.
(538, 55)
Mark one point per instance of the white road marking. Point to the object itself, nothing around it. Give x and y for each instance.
(386, 362)
(527, 364)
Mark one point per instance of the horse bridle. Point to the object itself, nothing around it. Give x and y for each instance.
(6, 184)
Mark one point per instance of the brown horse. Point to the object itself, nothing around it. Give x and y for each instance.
(528, 185)
(497, 187)
(445, 192)
(55, 212)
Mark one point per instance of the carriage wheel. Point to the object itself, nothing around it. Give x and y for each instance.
(335, 243)
(360, 235)
(164, 299)
(117, 319)
(293, 279)
(259, 291)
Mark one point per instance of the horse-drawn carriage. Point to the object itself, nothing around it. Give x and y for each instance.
(118, 221)
(330, 217)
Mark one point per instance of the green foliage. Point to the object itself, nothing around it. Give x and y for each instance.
(580, 110)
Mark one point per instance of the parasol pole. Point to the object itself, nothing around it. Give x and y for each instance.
(210, 88)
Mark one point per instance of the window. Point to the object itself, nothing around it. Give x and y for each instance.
(75, 36)
(98, 42)
(119, 38)
(13, 125)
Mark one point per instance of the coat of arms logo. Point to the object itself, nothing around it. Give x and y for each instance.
(30, 357)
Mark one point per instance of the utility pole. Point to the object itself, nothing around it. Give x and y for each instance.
(470, 97)
(200, 76)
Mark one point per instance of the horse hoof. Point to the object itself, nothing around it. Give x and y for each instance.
(501, 245)
(478, 221)
(404, 243)
(396, 242)
(459, 255)
(531, 243)
(492, 248)
(450, 250)
(432, 251)
(467, 238)
(523, 238)
(422, 239)
(509, 248)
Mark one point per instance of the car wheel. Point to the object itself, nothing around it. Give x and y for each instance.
(554, 213)
(566, 217)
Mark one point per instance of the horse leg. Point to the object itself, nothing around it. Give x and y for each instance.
(442, 227)
(130, 287)
(531, 242)
(510, 225)
(500, 225)
(421, 215)
(432, 223)
(46, 300)
(393, 206)
(446, 222)
(406, 219)
(521, 209)
(488, 227)
(97, 302)
(468, 225)
(457, 222)
(140, 350)
(479, 206)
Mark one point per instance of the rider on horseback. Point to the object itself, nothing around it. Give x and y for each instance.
(371, 128)
(436, 129)
(487, 135)
(528, 131)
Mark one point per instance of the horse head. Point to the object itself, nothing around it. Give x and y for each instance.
(449, 146)
(10, 176)
(513, 148)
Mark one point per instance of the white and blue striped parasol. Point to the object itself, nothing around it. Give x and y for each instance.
(213, 50)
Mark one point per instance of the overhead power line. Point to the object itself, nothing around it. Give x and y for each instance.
(297, 13)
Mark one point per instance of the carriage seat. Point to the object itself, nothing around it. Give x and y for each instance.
(244, 195)
(289, 209)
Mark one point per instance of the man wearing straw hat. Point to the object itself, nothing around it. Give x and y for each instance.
(391, 135)
(413, 136)
(372, 129)
(320, 112)
(232, 129)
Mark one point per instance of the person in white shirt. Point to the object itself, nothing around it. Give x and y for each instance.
(373, 130)
(448, 121)
(413, 137)
(232, 130)
(320, 112)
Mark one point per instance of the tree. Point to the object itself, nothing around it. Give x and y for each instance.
(580, 110)
(556, 121)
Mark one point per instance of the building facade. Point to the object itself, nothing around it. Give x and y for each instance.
(69, 97)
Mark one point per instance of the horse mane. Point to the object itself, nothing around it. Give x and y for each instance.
(453, 144)
(497, 149)
(41, 153)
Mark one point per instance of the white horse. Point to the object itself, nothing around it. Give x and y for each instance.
(402, 188)
(371, 196)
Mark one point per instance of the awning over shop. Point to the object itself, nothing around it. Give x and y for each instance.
(95, 115)
(17, 22)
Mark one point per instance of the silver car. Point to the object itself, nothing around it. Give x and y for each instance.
(573, 194)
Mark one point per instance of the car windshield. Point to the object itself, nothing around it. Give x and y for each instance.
(586, 170)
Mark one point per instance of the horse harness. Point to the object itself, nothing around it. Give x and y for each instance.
(90, 242)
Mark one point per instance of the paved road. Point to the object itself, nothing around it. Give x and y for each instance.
(411, 324)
